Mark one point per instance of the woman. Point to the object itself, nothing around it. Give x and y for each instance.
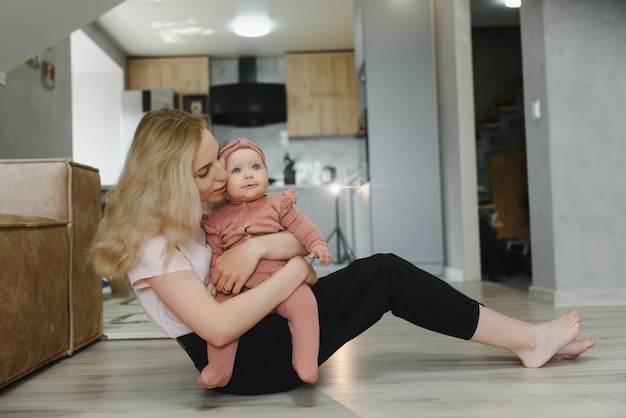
(151, 232)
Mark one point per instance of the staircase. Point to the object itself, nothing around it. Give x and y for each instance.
(502, 186)
(490, 131)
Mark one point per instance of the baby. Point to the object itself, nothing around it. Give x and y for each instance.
(249, 213)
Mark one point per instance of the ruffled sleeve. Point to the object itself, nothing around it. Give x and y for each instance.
(288, 199)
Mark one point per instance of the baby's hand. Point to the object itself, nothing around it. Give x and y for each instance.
(323, 253)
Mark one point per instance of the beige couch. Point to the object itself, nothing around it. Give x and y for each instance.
(51, 298)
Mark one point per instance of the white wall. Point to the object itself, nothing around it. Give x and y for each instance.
(97, 85)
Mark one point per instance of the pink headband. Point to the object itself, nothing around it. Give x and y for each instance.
(240, 143)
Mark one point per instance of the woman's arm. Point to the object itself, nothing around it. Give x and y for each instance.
(220, 323)
(234, 267)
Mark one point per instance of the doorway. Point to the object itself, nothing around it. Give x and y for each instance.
(501, 156)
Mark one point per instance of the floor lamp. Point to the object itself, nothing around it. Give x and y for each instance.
(344, 252)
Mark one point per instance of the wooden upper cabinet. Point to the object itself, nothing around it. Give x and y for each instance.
(322, 94)
(183, 74)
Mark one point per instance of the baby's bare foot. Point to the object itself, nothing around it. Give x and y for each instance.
(214, 375)
(305, 364)
(555, 338)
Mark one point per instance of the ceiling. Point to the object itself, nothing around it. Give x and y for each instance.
(204, 27)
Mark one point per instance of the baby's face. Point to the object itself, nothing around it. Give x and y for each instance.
(247, 176)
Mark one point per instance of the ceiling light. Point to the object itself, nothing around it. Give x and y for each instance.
(252, 28)
(513, 4)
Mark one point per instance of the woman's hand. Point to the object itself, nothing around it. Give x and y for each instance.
(234, 267)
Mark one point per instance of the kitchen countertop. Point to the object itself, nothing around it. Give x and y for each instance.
(278, 188)
(298, 187)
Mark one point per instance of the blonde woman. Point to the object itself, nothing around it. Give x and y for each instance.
(152, 233)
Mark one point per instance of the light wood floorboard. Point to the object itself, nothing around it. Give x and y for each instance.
(392, 370)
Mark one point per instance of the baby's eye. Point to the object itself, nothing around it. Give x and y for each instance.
(256, 167)
(235, 170)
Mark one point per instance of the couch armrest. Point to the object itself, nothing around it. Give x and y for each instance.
(64, 191)
(85, 286)
(35, 187)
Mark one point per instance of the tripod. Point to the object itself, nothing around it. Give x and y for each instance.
(344, 252)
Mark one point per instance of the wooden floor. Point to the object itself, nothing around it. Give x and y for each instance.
(393, 370)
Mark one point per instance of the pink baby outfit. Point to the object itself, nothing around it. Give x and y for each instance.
(237, 222)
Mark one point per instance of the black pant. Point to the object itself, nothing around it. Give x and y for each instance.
(350, 301)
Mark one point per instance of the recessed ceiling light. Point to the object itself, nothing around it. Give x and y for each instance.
(513, 4)
(252, 28)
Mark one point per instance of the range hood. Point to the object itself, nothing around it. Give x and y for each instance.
(248, 103)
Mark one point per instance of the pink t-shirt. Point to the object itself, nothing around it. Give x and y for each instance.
(193, 256)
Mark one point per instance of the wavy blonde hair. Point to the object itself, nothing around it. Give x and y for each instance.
(155, 194)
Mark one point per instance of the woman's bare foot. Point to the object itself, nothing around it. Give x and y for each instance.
(535, 345)
(575, 348)
(555, 339)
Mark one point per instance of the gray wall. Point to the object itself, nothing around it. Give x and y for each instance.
(35, 122)
(403, 136)
(574, 62)
(29, 27)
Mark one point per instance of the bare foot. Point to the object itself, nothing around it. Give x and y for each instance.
(305, 364)
(555, 338)
(575, 348)
(214, 375)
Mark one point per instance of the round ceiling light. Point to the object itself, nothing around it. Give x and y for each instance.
(252, 28)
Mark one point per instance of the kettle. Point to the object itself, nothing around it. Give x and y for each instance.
(329, 175)
(289, 172)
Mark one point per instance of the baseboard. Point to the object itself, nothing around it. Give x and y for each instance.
(436, 269)
(578, 297)
(451, 274)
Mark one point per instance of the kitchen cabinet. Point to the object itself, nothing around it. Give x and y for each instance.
(322, 94)
(183, 74)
